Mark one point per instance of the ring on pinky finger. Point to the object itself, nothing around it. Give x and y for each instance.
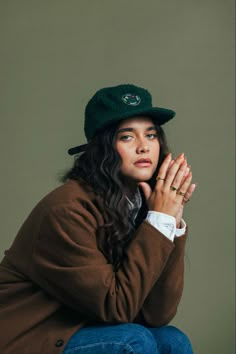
(186, 200)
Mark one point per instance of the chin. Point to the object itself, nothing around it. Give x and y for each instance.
(143, 178)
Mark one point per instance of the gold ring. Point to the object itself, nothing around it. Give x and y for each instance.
(159, 178)
(186, 200)
(173, 188)
(181, 193)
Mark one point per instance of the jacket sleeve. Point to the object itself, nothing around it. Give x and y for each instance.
(68, 265)
(166, 293)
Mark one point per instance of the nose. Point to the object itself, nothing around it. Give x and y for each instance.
(142, 148)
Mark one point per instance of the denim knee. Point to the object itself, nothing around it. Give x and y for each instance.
(139, 339)
(181, 341)
(173, 341)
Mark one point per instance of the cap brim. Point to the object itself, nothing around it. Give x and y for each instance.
(160, 115)
(77, 149)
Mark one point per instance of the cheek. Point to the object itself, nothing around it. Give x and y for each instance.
(122, 152)
(156, 152)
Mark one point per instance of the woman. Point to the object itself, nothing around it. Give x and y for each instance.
(97, 267)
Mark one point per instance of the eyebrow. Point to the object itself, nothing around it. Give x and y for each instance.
(121, 130)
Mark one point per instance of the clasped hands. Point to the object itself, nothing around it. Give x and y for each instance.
(173, 188)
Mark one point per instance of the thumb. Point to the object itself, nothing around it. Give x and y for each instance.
(146, 189)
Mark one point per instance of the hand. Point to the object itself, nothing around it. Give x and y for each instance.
(173, 188)
(186, 198)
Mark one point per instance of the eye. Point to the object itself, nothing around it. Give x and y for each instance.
(125, 137)
(152, 136)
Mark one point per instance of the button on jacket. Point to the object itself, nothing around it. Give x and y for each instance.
(55, 280)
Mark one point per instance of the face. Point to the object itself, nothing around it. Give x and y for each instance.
(137, 144)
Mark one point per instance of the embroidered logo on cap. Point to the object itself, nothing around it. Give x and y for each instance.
(131, 99)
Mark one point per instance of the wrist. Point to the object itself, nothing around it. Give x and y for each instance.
(180, 224)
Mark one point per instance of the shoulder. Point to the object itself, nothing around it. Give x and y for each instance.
(71, 196)
(71, 211)
(71, 191)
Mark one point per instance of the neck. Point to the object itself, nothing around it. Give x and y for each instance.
(130, 188)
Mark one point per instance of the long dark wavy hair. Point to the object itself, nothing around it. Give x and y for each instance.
(99, 169)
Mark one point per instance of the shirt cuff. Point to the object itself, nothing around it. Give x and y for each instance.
(182, 230)
(164, 223)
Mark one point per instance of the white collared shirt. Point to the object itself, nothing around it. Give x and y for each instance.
(164, 223)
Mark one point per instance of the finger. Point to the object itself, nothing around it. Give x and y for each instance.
(179, 177)
(189, 193)
(171, 163)
(185, 185)
(163, 169)
(173, 170)
(147, 191)
(187, 170)
(185, 174)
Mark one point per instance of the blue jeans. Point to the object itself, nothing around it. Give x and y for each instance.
(128, 338)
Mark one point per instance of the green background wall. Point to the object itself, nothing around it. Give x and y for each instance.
(55, 54)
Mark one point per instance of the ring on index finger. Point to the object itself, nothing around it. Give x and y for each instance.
(160, 179)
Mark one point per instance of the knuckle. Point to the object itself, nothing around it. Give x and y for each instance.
(175, 200)
(178, 162)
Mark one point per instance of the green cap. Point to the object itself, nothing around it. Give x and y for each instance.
(111, 104)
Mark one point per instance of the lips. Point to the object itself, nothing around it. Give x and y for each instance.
(143, 163)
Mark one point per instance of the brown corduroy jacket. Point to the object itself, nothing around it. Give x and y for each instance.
(54, 279)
